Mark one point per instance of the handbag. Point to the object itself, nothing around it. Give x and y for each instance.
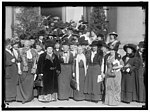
(38, 82)
(73, 83)
(110, 73)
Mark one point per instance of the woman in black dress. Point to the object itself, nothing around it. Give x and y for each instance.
(49, 67)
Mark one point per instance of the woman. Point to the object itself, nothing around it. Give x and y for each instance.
(26, 80)
(93, 88)
(73, 48)
(129, 90)
(64, 89)
(38, 77)
(113, 78)
(11, 73)
(49, 67)
(16, 52)
(80, 73)
(57, 49)
(113, 41)
(140, 79)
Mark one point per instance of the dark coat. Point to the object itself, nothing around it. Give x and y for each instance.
(93, 90)
(140, 80)
(97, 58)
(11, 77)
(57, 53)
(50, 68)
(130, 84)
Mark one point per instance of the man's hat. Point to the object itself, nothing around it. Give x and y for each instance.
(113, 33)
(132, 46)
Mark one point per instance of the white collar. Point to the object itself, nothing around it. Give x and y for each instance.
(40, 40)
(57, 49)
(8, 50)
(94, 52)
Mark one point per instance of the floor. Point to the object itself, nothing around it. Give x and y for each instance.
(70, 103)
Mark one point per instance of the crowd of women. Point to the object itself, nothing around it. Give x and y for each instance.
(99, 71)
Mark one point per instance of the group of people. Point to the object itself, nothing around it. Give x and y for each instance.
(99, 71)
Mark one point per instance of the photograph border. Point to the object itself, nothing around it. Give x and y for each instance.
(58, 4)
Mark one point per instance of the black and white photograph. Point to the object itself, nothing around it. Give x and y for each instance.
(74, 55)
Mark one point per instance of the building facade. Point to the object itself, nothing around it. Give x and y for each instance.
(128, 22)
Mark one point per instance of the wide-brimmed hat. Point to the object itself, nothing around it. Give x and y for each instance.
(132, 46)
(141, 44)
(113, 33)
(94, 43)
(49, 44)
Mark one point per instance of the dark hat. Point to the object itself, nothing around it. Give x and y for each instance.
(132, 46)
(65, 43)
(100, 35)
(113, 33)
(69, 28)
(75, 35)
(41, 33)
(75, 31)
(31, 37)
(85, 22)
(85, 42)
(94, 43)
(7, 42)
(23, 36)
(82, 41)
(49, 44)
(141, 44)
(73, 43)
(100, 43)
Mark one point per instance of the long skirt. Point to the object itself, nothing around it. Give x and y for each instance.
(79, 95)
(113, 89)
(93, 90)
(128, 87)
(25, 87)
(141, 87)
(11, 83)
(64, 89)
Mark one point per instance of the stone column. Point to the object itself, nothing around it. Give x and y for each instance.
(64, 14)
(8, 22)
